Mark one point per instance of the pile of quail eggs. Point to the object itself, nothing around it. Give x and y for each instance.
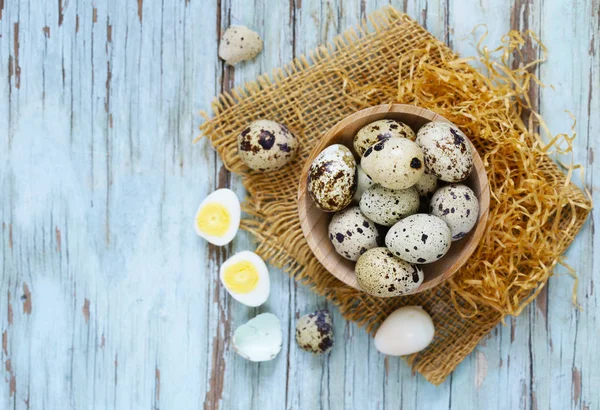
(401, 205)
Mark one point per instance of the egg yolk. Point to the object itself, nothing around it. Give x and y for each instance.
(241, 277)
(213, 219)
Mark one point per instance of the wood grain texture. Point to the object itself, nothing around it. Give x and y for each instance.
(107, 297)
(315, 222)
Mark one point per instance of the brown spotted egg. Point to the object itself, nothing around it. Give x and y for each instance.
(380, 273)
(266, 145)
(447, 151)
(378, 131)
(458, 207)
(314, 332)
(352, 234)
(387, 206)
(332, 178)
(395, 163)
(419, 238)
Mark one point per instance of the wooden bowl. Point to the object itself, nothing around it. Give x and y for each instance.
(315, 222)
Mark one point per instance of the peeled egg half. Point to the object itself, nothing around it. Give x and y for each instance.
(246, 278)
(218, 217)
(260, 339)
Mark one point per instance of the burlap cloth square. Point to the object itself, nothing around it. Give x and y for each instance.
(535, 210)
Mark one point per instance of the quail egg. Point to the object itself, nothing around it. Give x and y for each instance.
(406, 331)
(266, 145)
(447, 151)
(419, 238)
(378, 131)
(426, 186)
(314, 332)
(387, 206)
(246, 278)
(332, 178)
(380, 273)
(364, 183)
(218, 217)
(352, 234)
(458, 207)
(395, 163)
(239, 43)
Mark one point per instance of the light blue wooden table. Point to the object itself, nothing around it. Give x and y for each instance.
(107, 297)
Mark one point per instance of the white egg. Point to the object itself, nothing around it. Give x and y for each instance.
(260, 339)
(218, 217)
(406, 331)
(246, 278)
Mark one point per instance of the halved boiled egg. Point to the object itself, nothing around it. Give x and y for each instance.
(260, 339)
(246, 278)
(218, 217)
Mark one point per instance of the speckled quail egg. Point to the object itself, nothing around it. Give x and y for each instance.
(387, 206)
(314, 332)
(426, 186)
(352, 234)
(395, 163)
(364, 183)
(380, 273)
(419, 238)
(266, 145)
(458, 206)
(447, 151)
(378, 131)
(332, 178)
(239, 43)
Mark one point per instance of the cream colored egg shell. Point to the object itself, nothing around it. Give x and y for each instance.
(266, 145)
(426, 185)
(332, 178)
(314, 332)
(352, 234)
(378, 131)
(239, 43)
(387, 206)
(395, 163)
(419, 238)
(458, 207)
(447, 151)
(364, 183)
(380, 273)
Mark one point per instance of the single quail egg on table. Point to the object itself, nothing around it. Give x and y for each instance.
(419, 238)
(332, 178)
(314, 332)
(458, 207)
(378, 131)
(395, 163)
(246, 278)
(239, 43)
(380, 273)
(260, 339)
(405, 331)
(218, 217)
(363, 183)
(447, 151)
(387, 206)
(352, 234)
(266, 145)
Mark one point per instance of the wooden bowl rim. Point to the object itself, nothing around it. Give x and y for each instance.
(478, 167)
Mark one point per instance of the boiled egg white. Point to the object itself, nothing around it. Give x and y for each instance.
(260, 339)
(218, 217)
(246, 278)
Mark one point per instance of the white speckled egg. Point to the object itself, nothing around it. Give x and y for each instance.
(239, 43)
(447, 151)
(378, 131)
(407, 330)
(387, 206)
(332, 178)
(458, 206)
(426, 186)
(352, 234)
(364, 183)
(419, 238)
(380, 273)
(266, 145)
(395, 163)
